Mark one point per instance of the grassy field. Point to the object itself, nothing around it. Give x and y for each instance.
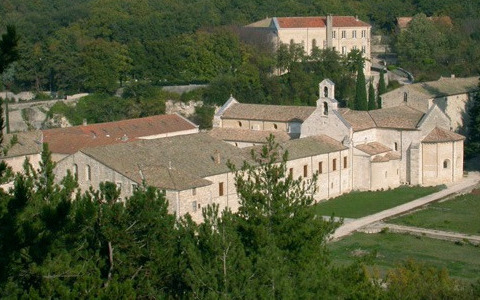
(460, 259)
(360, 204)
(461, 214)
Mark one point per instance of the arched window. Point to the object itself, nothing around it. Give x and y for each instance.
(446, 164)
(405, 97)
(75, 170)
(395, 146)
(325, 92)
(325, 108)
(275, 126)
(88, 173)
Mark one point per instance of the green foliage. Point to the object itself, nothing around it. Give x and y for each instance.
(430, 48)
(413, 280)
(8, 48)
(280, 232)
(204, 116)
(472, 143)
(371, 97)
(137, 101)
(382, 88)
(360, 102)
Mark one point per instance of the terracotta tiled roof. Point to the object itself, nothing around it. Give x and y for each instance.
(276, 113)
(438, 135)
(373, 148)
(244, 135)
(177, 163)
(312, 22)
(70, 140)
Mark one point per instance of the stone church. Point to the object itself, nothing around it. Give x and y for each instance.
(386, 147)
(348, 150)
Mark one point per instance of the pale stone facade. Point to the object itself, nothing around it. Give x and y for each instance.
(197, 178)
(347, 150)
(451, 95)
(340, 33)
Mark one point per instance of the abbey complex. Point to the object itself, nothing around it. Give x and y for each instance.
(410, 141)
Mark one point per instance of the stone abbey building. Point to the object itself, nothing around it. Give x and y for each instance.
(349, 150)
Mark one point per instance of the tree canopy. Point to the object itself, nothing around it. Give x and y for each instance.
(59, 242)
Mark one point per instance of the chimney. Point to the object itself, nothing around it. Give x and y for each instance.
(216, 157)
(329, 31)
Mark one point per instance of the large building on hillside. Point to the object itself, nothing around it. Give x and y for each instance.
(340, 33)
(388, 147)
(348, 150)
(450, 94)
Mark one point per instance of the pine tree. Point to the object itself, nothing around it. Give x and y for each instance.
(361, 102)
(381, 88)
(371, 96)
(281, 234)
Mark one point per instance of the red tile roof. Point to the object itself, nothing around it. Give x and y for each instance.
(71, 139)
(312, 22)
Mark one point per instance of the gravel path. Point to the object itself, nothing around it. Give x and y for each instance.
(431, 233)
(466, 184)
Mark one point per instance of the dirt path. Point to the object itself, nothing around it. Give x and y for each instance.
(464, 185)
(431, 233)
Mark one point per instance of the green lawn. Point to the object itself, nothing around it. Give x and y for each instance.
(461, 214)
(461, 260)
(361, 204)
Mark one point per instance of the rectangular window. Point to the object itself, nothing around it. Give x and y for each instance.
(220, 189)
(344, 34)
(344, 50)
(364, 33)
(194, 206)
(134, 187)
(345, 165)
(334, 34)
(119, 185)
(364, 49)
(334, 164)
(320, 167)
(354, 34)
(290, 172)
(305, 171)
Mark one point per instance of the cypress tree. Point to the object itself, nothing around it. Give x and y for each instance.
(381, 88)
(371, 96)
(360, 101)
(472, 143)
